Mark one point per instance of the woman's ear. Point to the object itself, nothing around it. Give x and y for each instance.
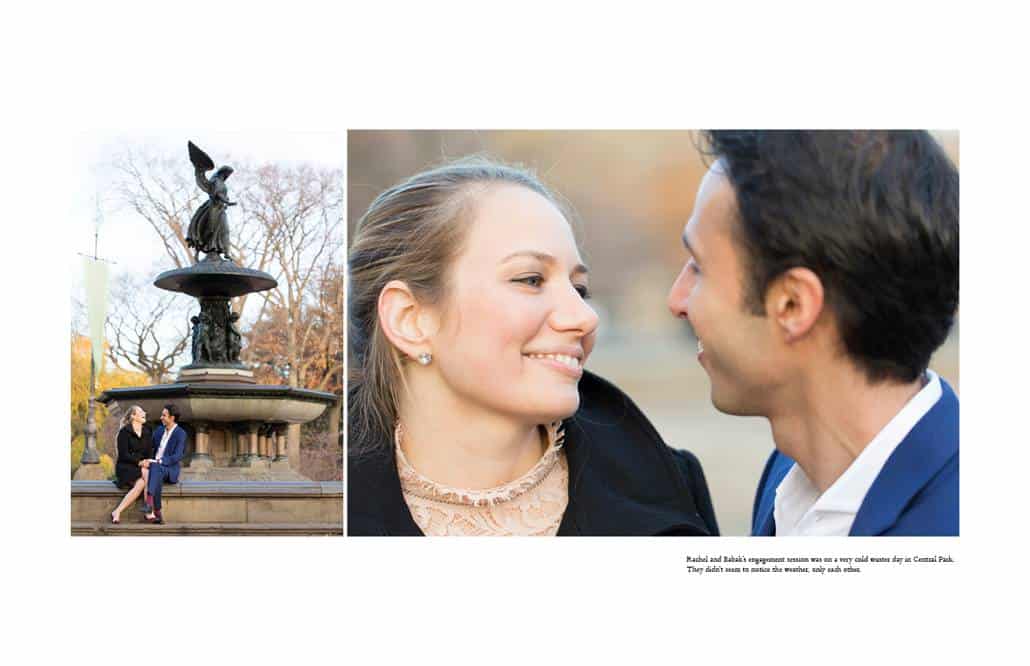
(795, 302)
(407, 324)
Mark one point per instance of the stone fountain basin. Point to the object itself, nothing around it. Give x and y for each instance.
(215, 279)
(224, 403)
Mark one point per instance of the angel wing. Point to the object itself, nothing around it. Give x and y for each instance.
(199, 158)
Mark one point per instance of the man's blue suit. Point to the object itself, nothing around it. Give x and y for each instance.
(168, 469)
(916, 492)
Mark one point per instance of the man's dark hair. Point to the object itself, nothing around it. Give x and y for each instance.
(173, 411)
(873, 213)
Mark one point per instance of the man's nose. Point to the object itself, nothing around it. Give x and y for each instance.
(677, 299)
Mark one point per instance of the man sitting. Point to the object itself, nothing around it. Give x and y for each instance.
(170, 444)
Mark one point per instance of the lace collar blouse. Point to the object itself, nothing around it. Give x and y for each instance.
(531, 505)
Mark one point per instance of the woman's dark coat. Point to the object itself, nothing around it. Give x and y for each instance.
(131, 450)
(623, 479)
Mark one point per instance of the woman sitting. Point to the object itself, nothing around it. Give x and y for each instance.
(134, 450)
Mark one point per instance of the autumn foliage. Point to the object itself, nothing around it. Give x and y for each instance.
(318, 359)
(108, 377)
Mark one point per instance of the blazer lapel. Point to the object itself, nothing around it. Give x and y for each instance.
(779, 465)
(926, 448)
(768, 525)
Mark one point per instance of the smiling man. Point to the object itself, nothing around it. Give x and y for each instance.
(822, 273)
(170, 447)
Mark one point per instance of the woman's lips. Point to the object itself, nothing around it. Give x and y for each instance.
(566, 364)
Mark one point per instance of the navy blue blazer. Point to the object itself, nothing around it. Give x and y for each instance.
(916, 492)
(174, 451)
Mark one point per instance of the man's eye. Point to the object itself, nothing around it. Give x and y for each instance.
(584, 291)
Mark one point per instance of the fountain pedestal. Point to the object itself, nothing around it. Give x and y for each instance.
(237, 428)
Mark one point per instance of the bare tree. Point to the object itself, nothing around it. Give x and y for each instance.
(162, 190)
(79, 319)
(289, 223)
(147, 329)
(301, 211)
(323, 363)
(163, 193)
(320, 362)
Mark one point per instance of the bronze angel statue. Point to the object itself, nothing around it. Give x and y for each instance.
(209, 226)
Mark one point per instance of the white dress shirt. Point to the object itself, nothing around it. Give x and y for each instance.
(799, 509)
(164, 442)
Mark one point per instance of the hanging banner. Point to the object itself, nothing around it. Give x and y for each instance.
(96, 308)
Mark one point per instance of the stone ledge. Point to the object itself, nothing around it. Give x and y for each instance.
(220, 489)
(218, 503)
(86, 528)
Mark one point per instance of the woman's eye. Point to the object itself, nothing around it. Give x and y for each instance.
(531, 280)
(694, 268)
(584, 291)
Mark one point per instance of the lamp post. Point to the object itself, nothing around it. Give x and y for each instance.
(90, 455)
(96, 280)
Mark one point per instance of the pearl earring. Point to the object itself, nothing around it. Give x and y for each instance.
(425, 358)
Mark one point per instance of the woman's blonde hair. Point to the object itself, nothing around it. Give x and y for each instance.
(127, 416)
(412, 232)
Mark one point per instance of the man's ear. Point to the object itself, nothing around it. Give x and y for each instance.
(407, 324)
(794, 301)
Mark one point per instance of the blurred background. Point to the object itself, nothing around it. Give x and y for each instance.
(631, 192)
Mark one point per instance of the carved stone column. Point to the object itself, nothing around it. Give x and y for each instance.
(263, 443)
(202, 446)
(239, 433)
(293, 445)
(279, 438)
(229, 434)
(251, 438)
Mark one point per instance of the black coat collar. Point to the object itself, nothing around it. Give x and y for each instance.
(623, 480)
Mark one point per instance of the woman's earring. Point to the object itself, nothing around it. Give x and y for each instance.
(425, 358)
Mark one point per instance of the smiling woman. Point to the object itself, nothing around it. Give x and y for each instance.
(470, 411)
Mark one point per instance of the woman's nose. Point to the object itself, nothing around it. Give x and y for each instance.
(574, 313)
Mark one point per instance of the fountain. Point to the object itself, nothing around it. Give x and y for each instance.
(242, 464)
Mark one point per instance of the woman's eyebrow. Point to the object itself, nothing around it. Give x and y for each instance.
(544, 258)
